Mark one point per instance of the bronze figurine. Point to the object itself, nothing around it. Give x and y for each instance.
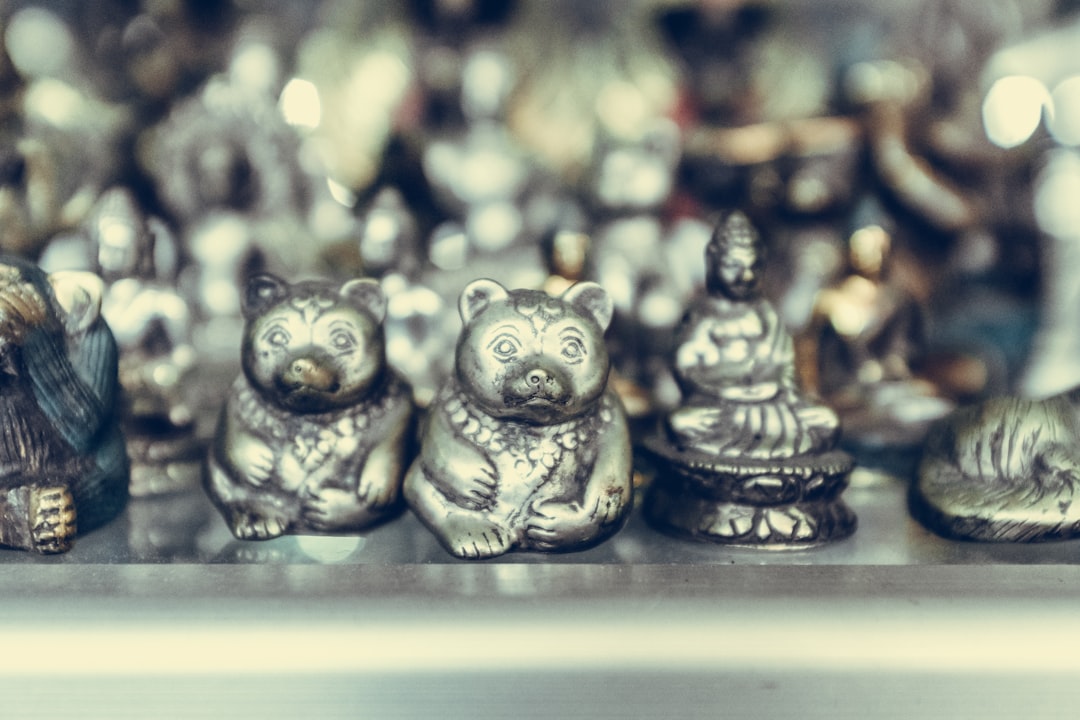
(868, 336)
(315, 431)
(525, 447)
(62, 462)
(747, 458)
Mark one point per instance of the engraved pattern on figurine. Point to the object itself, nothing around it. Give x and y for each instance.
(1004, 470)
(62, 460)
(314, 433)
(525, 446)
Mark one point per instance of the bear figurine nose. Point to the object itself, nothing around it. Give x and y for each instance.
(538, 378)
(305, 372)
(540, 383)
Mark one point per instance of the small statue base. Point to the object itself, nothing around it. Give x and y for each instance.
(790, 503)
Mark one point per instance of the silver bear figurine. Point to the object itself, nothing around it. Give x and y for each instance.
(526, 446)
(315, 431)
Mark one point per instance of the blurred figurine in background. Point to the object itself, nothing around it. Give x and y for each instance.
(226, 167)
(925, 120)
(61, 143)
(389, 236)
(315, 431)
(867, 332)
(62, 461)
(525, 446)
(594, 68)
(487, 184)
(356, 88)
(747, 458)
(420, 324)
(638, 255)
(137, 258)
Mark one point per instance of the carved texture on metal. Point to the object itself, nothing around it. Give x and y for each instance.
(1004, 470)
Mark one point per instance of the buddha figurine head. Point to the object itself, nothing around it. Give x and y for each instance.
(734, 259)
(119, 232)
(868, 251)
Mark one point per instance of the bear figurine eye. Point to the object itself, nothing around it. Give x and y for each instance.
(342, 340)
(573, 350)
(505, 347)
(277, 337)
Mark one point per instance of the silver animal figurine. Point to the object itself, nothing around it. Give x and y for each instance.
(1006, 470)
(315, 431)
(747, 458)
(525, 447)
(62, 462)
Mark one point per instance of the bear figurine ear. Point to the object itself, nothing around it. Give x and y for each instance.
(262, 291)
(367, 295)
(477, 295)
(592, 300)
(79, 295)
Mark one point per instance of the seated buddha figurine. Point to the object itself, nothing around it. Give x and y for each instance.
(867, 335)
(748, 458)
(735, 363)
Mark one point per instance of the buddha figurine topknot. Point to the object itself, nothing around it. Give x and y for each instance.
(747, 458)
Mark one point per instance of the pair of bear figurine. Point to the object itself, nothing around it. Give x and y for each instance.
(525, 447)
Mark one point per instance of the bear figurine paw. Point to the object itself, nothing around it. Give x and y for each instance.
(555, 525)
(250, 526)
(476, 538)
(332, 509)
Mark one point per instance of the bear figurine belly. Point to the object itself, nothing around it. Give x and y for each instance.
(525, 446)
(314, 434)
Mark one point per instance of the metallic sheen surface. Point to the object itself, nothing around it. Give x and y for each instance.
(747, 458)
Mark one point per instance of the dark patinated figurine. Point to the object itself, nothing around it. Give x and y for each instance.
(314, 434)
(62, 460)
(525, 447)
(747, 458)
(1006, 470)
